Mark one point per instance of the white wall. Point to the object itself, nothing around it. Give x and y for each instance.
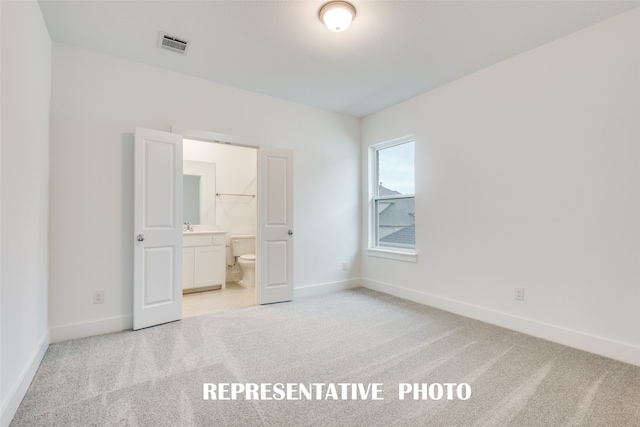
(527, 176)
(236, 173)
(24, 152)
(97, 100)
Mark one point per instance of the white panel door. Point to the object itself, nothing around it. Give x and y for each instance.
(157, 295)
(275, 257)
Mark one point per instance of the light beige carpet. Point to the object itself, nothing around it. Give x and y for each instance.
(155, 377)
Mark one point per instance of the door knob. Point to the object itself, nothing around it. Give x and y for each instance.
(290, 233)
(140, 237)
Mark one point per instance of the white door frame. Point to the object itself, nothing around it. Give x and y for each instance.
(213, 137)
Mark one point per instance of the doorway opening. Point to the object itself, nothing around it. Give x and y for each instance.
(220, 207)
(159, 233)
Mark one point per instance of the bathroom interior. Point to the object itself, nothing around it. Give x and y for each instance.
(220, 215)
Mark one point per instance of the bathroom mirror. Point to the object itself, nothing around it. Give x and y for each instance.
(199, 197)
(191, 194)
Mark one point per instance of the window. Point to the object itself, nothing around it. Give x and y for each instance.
(393, 202)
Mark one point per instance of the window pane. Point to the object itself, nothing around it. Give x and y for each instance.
(395, 222)
(395, 170)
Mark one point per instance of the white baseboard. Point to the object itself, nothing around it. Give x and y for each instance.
(89, 329)
(116, 324)
(15, 395)
(594, 344)
(325, 288)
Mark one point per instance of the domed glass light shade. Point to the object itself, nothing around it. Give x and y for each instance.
(337, 15)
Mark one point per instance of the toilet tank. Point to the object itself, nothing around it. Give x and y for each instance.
(243, 244)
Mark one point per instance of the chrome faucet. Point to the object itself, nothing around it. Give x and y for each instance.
(189, 226)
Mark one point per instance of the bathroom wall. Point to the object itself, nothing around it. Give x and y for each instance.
(24, 178)
(527, 176)
(96, 103)
(236, 173)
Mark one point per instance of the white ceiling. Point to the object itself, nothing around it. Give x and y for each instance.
(393, 51)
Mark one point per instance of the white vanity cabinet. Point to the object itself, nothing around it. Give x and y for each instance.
(203, 260)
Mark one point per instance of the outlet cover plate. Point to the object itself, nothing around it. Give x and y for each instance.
(98, 297)
(519, 294)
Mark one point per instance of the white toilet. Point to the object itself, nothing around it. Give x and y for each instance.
(244, 248)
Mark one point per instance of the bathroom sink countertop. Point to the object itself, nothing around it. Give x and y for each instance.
(204, 232)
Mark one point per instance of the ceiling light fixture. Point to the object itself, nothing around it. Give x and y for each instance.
(337, 15)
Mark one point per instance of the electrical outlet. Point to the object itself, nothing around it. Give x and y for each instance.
(98, 297)
(519, 294)
(344, 266)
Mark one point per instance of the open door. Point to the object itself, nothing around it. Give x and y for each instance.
(275, 228)
(157, 239)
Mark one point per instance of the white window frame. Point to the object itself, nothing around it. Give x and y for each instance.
(389, 252)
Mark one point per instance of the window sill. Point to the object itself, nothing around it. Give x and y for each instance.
(392, 254)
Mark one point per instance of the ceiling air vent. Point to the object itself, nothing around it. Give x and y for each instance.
(173, 43)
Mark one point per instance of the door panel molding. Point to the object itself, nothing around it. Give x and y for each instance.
(157, 237)
(275, 229)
